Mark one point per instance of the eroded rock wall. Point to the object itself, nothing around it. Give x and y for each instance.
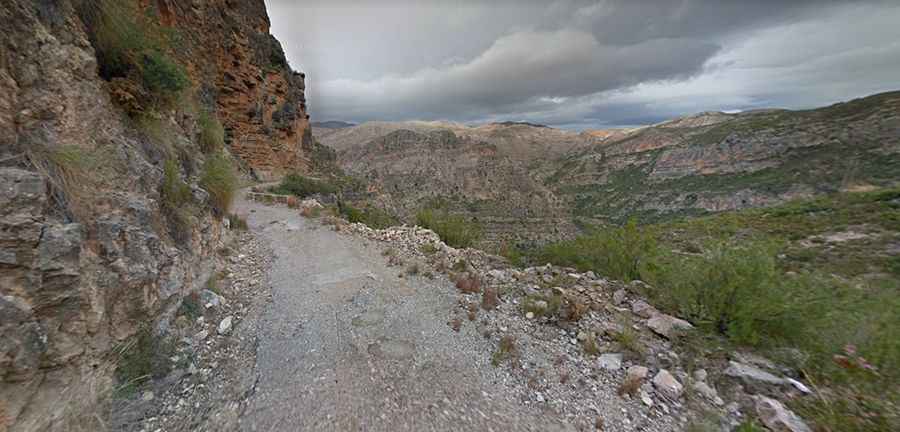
(87, 254)
(227, 47)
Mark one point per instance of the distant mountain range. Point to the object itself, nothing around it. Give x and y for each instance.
(332, 124)
(549, 179)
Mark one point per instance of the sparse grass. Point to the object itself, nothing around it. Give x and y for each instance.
(506, 350)
(629, 341)
(237, 222)
(301, 186)
(145, 356)
(630, 386)
(460, 266)
(212, 134)
(468, 283)
(389, 252)
(749, 426)
(212, 283)
(490, 298)
(453, 230)
(190, 305)
(429, 249)
(513, 254)
(589, 345)
(219, 179)
(177, 202)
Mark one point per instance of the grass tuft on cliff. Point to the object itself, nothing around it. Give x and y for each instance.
(219, 179)
(212, 134)
(177, 202)
(130, 46)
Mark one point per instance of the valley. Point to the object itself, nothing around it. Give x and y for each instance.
(529, 184)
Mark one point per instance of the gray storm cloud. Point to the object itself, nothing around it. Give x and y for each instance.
(579, 64)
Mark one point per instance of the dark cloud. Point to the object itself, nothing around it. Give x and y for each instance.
(583, 64)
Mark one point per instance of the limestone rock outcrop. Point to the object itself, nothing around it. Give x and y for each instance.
(88, 254)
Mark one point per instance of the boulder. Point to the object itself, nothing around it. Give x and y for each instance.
(667, 385)
(750, 373)
(636, 373)
(643, 309)
(777, 417)
(667, 325)
(225, 326)
(619, 297)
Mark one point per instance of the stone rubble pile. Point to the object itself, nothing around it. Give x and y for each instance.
(214, 350)
(556, 313)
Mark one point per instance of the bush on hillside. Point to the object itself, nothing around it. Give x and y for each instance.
(617, 252)
(295, 184)
(161, 75)
(128, 46)
(739, 292)
(372, 217)
(219, 179)
(454, 230)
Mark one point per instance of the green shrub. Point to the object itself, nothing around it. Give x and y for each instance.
(128, 45)
(739, 292)
(219, 179)
(212, 134)
(116, 35)
(295, 184)
(372, 217)
(620, 253)
(454, 230)
(513, 254)
(161, 75)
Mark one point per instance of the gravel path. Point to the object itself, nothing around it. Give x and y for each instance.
(348, 344)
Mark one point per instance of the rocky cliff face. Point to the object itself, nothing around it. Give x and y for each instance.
(88, 254)
(242, 70)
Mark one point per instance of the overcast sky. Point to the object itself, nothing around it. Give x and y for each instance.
(582, 64)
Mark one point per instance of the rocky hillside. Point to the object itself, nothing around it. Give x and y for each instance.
(408, 170)
(523, 142)
(714, 161)
(118, 123)
(708, 162)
